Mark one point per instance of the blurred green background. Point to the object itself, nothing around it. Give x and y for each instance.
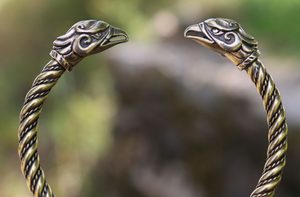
(82, 132)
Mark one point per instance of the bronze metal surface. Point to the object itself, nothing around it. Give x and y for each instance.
(228, 38)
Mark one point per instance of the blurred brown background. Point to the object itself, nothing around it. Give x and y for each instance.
(159, 116)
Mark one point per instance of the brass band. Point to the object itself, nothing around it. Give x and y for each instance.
(61, 60)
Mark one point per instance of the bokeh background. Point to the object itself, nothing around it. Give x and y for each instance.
(159, 116)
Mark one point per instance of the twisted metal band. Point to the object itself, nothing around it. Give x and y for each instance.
(277, 135)
(228, 38)
(28, 140)
(83, 39)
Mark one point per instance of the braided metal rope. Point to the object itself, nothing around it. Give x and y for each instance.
(81, 40)
(277, 135)
(28, 141)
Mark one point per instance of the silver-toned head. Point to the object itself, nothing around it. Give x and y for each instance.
(86, 38)
(226, 37)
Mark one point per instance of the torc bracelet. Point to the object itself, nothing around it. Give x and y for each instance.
(89, 37)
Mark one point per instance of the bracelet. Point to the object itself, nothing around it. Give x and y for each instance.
(82, 39)
(229, 39)
(89, 37)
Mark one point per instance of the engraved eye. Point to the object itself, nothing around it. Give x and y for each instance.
(216, 31)
(84, 42)
(80, 26)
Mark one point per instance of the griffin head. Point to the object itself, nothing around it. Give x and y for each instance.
(85, 38)
(226, 37)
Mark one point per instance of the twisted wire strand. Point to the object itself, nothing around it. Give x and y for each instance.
(44, 82)
(27, 133)
(277, 135)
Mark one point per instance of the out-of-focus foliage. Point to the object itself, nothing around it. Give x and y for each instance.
(276, 22)
(76, 130)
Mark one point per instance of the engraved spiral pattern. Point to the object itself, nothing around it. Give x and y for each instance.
(28, 140)
(277, 136)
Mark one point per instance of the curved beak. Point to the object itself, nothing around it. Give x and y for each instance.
(115, 36)
(198, 33)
